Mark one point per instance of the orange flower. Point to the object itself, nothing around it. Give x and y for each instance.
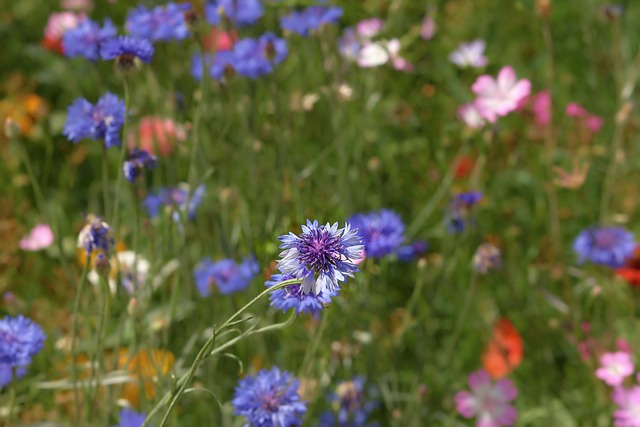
(24, 109)
(147, 367)
(631, 270)
(504, 352)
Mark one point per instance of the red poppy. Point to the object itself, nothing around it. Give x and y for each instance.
(504, 352)
(463, 167)
(631, 270)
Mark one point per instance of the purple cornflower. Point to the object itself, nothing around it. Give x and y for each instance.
(269, 399)
(322, 256)
(408, 253)
(351, 406)
(614, 368)
(256, 57)
(138, 160)
(469, 55)
(223, 63)
(125, 50)
(311, 18)
(489, 402)
(382, 232)
(96, 235)
(228, 276)
(175, 197)
(609, 246)
(101, 121)
(20, 340)
(240, 12)
(162, 23)
(85, 39)
(6, 374)
(292, 297)
(460, 207)
(486, 258)
(130, 418)
(627, 414)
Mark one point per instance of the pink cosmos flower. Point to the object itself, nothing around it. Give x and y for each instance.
(488, 402)
(469, 55)
(40, 237)
(58, 24)
(614, 368)
(470, 115)
(498, 97)
(157, 132)
(428, 29)
(627, 414)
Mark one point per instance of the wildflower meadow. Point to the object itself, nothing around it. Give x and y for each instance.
(277, 213)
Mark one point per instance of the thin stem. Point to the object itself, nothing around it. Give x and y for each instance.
(123, 154)
(12, 395)
(462, 317)
(105, 179)
(74, 330)
(97, 359)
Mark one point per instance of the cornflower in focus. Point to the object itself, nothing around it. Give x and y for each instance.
(40, 237)
(241, 12)
(87, 38)
(382, 232)
(175, 197)
(162, 23)
(292, 297)
(469, 55)
(312, 18)
(321, 256)
(614, 368)
(459, 211)
(487, 258)
(349, 406)
(57, 25)
(608, 246)
(269, 399)
(138, 160)
(627, 414)
(126, 51)
(228, 276)
(130, 418)
(257, 57)
(20, 340)
(488, 402)
(498, 97)
(98, 122)
(96, 235)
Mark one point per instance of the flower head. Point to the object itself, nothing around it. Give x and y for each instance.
(86, 39)
(470, 116)
(304, 21)
(257, 57)
(99, 122)
(486, 258)
(240, 12)
(382, 232)
(138, 160)
(228, 276)
(408, 253)
(175, 198)
(269, 399)
(292, 297)
(608, 246)
(469, 55)
(125, 50)
(505, 351)
(350, 406)
(129, 418)
(322, 255)
(6, 374)
(614, 368)
(131, 268)
(157, 135)
(460, 206)
(96, 235)
(489, 402)
(160, 23)
(40, 237)
(627, 414)
(631, 269)
(221, 65)
(429, 27)
(57, 25)
(20, 340)
(498, 97)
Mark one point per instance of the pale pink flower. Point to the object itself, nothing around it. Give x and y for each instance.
(584, 118)
(594, 123)
(369, 28)
(470, 115)
(58, 24)
(542, 107)
(627, 414)
(614, 368)
(40, 237)
(488, 402)
(428, 29)
(84, 5)
(498, 97)
(469, 55)
(157, 132)
(379, 53)
(575, 110)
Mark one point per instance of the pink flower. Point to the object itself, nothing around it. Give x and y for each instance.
(628, 412)
(614, 368)
(469, 55)
(575, 110)
(157, 132)
(542, 107)
(594, 123)
(428, 29)
(58, 24)
(40, 237)
(369, 28)
(470, 115)
(379, 53)
(498, 97)
(77, 4)
(489, 402)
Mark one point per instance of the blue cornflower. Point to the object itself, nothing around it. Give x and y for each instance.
(101, 121)
(20, 340)
(292, 296)
(129, 418)
(85, 39)
(162, 23)
(256, 57)
(138, 160)
(408, 253)
(321, 256)
(96, 235)
(459, 209)
(269, 399)
(311, 18)
(350, 406)
(240, 12)
(382, 232)
(609, 246)
(228, 276)
(6, 374)
(223, 63)
(125, 50)
(175, 197)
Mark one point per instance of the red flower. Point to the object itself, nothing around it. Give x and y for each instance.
(463, 167)
(631, 270)
(504, 352)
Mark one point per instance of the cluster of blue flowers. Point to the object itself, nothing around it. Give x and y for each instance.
(162, 23)
(20, 340)
(239, 12)
(227, 275)
(304, 21)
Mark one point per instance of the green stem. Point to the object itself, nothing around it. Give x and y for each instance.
(12, 395)
(74, 330)
(308, 356)
(97, 359)
(123, 154)
(105, 179)
(462, 317)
